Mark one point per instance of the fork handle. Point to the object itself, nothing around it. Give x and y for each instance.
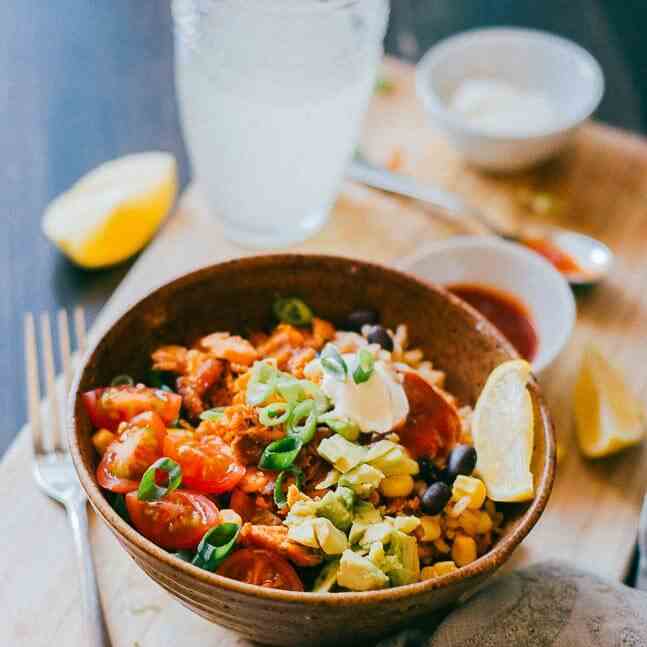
(94, 624)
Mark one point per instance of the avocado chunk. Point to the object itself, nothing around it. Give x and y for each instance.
(362, 479)
(338, 507)
(376, 553)
(359, 573)
(343, 454)
(327, 577)
(405, 549)
(377, 532)
(366, 513)
(404, 524)
(395, 461)
(331, 540)
(304, 533)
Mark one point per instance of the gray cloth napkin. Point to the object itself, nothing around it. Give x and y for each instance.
(547, 605)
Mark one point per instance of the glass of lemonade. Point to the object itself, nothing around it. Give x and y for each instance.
(271, 95)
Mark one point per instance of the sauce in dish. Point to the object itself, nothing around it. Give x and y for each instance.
(562, 261)
(506, 312)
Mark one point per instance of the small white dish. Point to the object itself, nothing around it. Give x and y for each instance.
(534, 61)
(511, 268)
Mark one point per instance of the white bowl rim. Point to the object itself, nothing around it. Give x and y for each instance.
(449, 118)
(564, 299)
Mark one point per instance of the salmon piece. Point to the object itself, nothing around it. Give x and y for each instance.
(322, 331)
(299, 360)
(233, 348)
(276, 538)
(202, 374)
(257, 481)
(170, 358)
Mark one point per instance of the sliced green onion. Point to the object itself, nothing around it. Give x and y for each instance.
(213, 414)
(289, 388)
(275, 413)
(118, 503)
(122, 380)
(342, 426)
(167, 388)
(149, 490)
(262, 384)
(184, 555)
(280, 454)
(304, 411)
(292, 311)
(280, 497)
(365, 366)
(215, 545)
(322, 404)
(333, 363)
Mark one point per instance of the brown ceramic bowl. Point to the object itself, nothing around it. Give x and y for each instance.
(237, 296)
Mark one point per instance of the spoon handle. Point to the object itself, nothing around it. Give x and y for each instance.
(455, 208)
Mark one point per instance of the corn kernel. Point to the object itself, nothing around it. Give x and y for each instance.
(485, 524)
(102, 439)
(463, 550)
(397, 486)
(469, 521)
(430, 528)
(443, 568)
(471, 487)
(427, 573)
(230, 516)
(441, 545)
(437, 570)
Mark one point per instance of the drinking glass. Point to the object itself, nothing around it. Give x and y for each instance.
(272, 95)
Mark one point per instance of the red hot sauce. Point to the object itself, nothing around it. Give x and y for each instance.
(506, 312)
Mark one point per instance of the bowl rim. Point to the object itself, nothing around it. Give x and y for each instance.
(488, 563)
(563, 296)
(436, 106)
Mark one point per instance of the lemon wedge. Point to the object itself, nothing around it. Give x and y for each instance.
(502, 430)
(114, 210)
(608, 417)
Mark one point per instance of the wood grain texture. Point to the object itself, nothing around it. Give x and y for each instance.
(600, 187)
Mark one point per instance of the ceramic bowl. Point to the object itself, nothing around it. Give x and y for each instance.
(236, 296)
(538, 61)
(512, 268)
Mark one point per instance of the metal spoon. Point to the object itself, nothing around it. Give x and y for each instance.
(592, 257)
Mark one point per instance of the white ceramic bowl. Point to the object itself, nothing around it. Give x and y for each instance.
(490, 261)
(537, 61)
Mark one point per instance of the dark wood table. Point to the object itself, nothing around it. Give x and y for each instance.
(85, 81)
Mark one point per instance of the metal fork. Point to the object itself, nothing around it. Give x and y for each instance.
(53, 469)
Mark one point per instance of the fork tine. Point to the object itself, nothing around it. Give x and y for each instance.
(64, 349)
(33, 386)
(79, 327)
(50, 377)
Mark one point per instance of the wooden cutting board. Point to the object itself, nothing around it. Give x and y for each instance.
(598, 187)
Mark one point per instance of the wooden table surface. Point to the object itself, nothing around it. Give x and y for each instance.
(592, 516)
(84, 81)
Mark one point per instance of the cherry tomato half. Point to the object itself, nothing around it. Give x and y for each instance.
(128, 457)
(433, 426)
(176, 522)
(208, 463)
(115, 404)
(261, 567)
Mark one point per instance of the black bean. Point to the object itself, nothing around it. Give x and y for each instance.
(379, 335)
(436, 498)
(428, 471)
(462, 460)
(360, 318)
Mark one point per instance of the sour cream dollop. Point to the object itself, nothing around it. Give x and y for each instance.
(377, 405)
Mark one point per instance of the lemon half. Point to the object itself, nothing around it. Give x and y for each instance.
(503, 429)
(114, 210)
(608, 417)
